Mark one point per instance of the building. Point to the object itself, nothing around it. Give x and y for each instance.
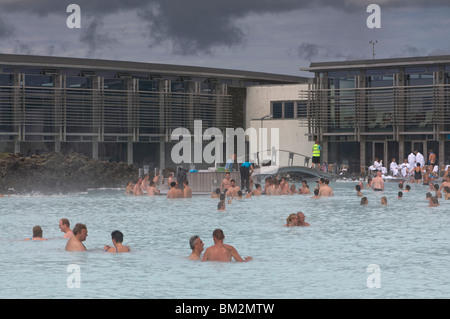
(280, 107)
(384, 108)
(116, 110)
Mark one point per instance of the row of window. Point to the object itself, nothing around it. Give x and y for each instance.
(289, 109)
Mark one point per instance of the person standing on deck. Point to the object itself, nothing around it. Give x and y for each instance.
(316, 154)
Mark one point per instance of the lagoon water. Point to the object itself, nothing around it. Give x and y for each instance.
(408, 241)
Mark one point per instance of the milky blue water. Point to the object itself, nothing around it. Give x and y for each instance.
(407, 240)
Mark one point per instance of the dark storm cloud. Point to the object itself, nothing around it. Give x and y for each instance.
(6, 30)
(93, 38)
(191, 26)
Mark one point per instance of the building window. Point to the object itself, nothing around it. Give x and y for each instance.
(288, 109)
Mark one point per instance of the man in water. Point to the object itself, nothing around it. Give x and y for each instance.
(117, 239)
(301, 219)
(75, 243)
(233, 189)
(152, 190)
(174, 192)
(225, 182)
(64, 225)
(378, 182)
(37, 234)
(197, 247)
(187, 191)
(325, 190)
(222, 252)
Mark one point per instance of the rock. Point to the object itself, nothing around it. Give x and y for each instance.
(55, 173)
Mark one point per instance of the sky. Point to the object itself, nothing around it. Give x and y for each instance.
(273, 36)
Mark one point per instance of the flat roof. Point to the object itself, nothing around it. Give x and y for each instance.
(379, 63)
(85, 64)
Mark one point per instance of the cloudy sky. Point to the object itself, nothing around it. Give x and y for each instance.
(275, 36)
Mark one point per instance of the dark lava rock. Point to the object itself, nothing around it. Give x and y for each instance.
(55, 173)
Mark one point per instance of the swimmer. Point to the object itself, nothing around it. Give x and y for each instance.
(222, 252)
(369, 182)
(438, 194)
(117, 239)
(378, 183)
(325, 190)
(145, 184)
(358, 190)
(233, 189)
(37, 234)
(239, 196)
(221, 205)
(293, 190)
(383, 200)
(197, 247)
(447, 192)
(291, 220)
(75, 243)
(407, 188)
(305, 188)
(364, 201)
(428, 196)
(152, 190)
(301, 219)
(174, 192)
(257, 191)
(64, 225)
(137, 191)
(216, 193)
(433, 202)
(316, 193)
(187, 191)
(129, 188)
(226, 182)
(400, 195)
(445, 182)
(417, 171)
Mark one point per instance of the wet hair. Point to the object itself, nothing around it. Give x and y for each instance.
(117, 236)
(192, 241)
(428, 195)
(436, 187)
(37, 231)
(400, 194)
(384, 199)
(232, 180)
(65, 221)
(364, 200)
(221, 205)
(316, 192)
(222, 197)
(239, 193)
(400, 185)
(290, 217)
(78, 227)
(218, 234)
(447, 189)
(358, 188)
(257, 186)
(434, 200)
(173, 184)
(186, 182)
(217, 191)
(407, 187)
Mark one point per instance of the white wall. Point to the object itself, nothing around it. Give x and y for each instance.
(292, 137)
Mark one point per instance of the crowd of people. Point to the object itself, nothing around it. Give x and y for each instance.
(228, 192)
(76, 236)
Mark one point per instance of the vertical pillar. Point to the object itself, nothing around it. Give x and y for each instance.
(130, 151)
(162, 155)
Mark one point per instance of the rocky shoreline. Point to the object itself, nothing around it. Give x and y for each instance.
(56, 173)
